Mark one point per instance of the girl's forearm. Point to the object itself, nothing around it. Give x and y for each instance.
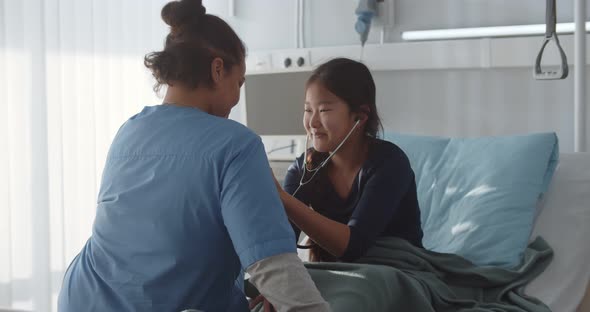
(329, 234)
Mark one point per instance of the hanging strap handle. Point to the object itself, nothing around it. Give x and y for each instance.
(550, 18)
(551, 34)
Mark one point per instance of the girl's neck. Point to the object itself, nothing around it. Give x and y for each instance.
(352, 155)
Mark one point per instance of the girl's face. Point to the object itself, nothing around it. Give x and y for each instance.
(327, 118)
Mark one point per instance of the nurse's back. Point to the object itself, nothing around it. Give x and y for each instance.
(159, 238)
(187, 199)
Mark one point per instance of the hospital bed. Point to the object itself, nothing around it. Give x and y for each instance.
(563, 218)
(564, 222)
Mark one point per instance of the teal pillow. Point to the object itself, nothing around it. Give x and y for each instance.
(478, 196)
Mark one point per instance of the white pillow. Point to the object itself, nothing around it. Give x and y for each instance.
(564, 223)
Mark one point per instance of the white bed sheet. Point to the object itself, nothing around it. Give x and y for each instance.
(564, 222)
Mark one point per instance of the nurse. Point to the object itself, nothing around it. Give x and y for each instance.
(187, 200)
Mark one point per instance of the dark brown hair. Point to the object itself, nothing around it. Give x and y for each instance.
(195, 39)
(353, 83)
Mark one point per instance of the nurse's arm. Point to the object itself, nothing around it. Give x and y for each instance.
(285, 283)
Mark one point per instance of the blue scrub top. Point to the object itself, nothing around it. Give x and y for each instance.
(187, 202)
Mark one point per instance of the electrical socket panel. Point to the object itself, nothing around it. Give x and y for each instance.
(292, 59)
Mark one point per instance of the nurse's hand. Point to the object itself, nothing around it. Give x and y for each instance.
(265, 304)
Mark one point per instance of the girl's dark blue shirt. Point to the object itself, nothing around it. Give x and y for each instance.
(382, 201)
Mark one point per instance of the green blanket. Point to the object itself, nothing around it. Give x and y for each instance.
(396, 276)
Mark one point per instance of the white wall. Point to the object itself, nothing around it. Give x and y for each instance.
(434, 102)
(476, 103)
(270, 24)
(463, 103)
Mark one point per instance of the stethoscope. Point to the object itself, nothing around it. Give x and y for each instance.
(315, 170)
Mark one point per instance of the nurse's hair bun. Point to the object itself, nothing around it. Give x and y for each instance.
(195, 40)
(179, 14)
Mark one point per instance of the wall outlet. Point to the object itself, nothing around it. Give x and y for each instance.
(259, 61)
(297, 58)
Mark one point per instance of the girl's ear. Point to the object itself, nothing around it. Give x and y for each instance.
(364, 113)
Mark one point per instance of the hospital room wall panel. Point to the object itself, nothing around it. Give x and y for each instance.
(274, 103)
(456, 102)
(428, 14)
(262, 24)
(471, 103)
(270, 24)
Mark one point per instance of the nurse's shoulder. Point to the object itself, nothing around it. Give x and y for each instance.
(225, 138)
(236, 134)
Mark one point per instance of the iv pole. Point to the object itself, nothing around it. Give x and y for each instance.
(580, 76)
